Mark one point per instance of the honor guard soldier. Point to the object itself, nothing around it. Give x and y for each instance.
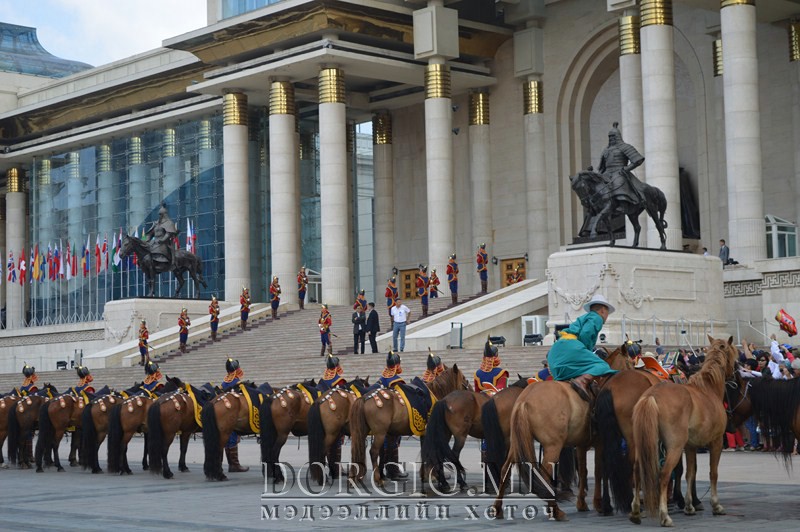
(213, 311)
(233, 378)
(325, 322)
(391, 447)
(423, 284)
(152, 376)
(452, 278)
(434, 284)
(183, 328)
(29, 383)
(84, 384)
(244, 306)
(490, 376)
(275, 297)
(482, 260)
(302, 286)
(361, 301)
(333, 374)
(516, 277)
(434, 367)
(391, 293)
(144, 336)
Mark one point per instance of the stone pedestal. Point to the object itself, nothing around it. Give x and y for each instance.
(122, 317)
(651, 290)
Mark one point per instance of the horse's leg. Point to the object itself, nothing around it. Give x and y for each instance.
(169, 437)
(75, 443)
(185, 437)
(691, 475)
(280, 441)
(677, 490)
(715, 449)
(374, 452)
(505, 475)
(583, 475)
(549, 457)
(636, 513)
(59, 435)
(145, 466)
(637, 227)
(180, 281)
(458, 444)
(672, 458)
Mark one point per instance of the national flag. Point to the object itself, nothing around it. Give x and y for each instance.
(22, 268)
(98, 261)
(116, 260)
(36, 263)
(104, 251)
(85, 258)
(69, 264)
(47, 269)
(135, 235)
(59, 263)
(194, 239)
(74, 262)
(10, 268)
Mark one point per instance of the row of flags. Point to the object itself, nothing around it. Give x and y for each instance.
(58, 263)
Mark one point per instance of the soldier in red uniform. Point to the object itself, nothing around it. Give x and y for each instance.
(325, 322)
(302, 286)
(516, 277)
(391, 293)
(183, 326)
(452, 278)
(490, 376)
(423, 284)
(29, 384)
(244, 306)
(434, 367)
(361, 301)
(231, 380)
(333, 374)
(213, 311)
(84, 384)
(144, 336)
(482, 259)
(275, 297)
(434, 284)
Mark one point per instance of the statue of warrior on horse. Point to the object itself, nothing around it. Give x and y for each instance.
(157, 254)
(616, 191)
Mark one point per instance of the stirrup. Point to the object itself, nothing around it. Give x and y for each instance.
(582, 393)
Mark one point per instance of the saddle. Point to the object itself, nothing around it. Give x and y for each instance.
(668, 373)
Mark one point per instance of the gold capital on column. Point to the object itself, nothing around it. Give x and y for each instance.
(382, 128)
(532, 97)
(204, 135)
(331, 85)
(135, 151)
(437, 81)
(794, 41)
(281, 98)
(14, 180)
(728, 3)
(170, 148)
(104, 158)
(479, 108)
(629, 42)
(43, 177)
(716, 48)
(656, 12)
(234, 109)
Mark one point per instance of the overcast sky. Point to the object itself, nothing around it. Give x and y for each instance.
(101, 31)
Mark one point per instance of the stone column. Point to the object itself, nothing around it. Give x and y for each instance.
(3, 250)
(630, 78)
(107, 193)
(16, 223)
(284, 201)
(746, 229)
(383, 171)
(237, 195)
(480, 170)
(336, 270)
(720, 202)
(439, 164)
(535, 177)
(352, 198)
(660, 117)
(794, 58)
(172, 164)
(45, 224)
(75, 204)
(138, 183)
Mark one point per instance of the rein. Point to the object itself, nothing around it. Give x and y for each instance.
(732, 384)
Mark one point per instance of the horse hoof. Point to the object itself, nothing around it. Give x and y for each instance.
(635, 519)
(73, 463)
(168, 475)
(719, 510)
(581, 506)
(39, 470)
(96, 471)
(222, 478)
(699, 506)
(145, 468)
(60, 470)
(689, 511)
(184, 470)
(667, 522)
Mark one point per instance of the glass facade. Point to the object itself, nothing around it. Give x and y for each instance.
(231, 8)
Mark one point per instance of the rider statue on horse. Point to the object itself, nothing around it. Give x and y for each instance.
(616, 166)
(162, 234)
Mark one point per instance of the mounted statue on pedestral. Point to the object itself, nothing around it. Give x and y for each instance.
(158, 255)
(615, 191)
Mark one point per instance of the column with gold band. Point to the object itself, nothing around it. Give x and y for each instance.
(660, 114)
(108, 189)
(236, 193)
(383, 161)
(480, 170)
(535, 175)
(75, 196)
(742, 130)
(794, 69)
(173, 168)
(284, 203)
(718, 217)
(335, 229)
(16, 223)
(439, 164)
(3, 248)
(139, 183)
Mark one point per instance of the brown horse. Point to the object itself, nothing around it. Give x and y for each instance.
(235, 410)
(552, 413)
(679, 417)
(7, 404)
(22, 423)
(390, 418)
(173, 413)
(94, 428)
(125, 420)
(327, 424)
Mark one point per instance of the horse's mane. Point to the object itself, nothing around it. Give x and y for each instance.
(775, 404)
(447, 381)
(714, 372)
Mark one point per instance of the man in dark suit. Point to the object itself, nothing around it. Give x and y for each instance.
(359, 330)
(373, 327)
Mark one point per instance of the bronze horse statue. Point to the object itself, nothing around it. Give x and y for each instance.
(183, 261)
(602, 203)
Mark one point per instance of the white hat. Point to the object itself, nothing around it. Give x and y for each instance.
(649, 354)
(599, 299)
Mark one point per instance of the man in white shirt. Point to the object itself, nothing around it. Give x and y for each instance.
(400, 317)
(777, 358)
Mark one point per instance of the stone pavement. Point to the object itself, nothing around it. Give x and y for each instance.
(756, 490)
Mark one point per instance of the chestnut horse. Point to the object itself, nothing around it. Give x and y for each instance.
(327, 423)
(94, 426)
(390, 419)
(673, 417)
(125, 420)
(552, 413)
(22, 423)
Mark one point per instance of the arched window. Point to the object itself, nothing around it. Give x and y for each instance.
(781, 237)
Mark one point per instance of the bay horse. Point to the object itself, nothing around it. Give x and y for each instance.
(182, 261)
(231, 411)
(328, 422)
(601, 201)
(94, 426)
(7, 403)
(22, 423)
(673, 417)
(552, 413)
(282, 413)
(390, 419)
(126, 419)
(174, 413)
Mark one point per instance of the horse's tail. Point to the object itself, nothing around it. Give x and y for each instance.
(645, 438)
(358, 436)
(523, 453)
(114, 443)
(495, 442)
(316, 443)
(436, 450)
(88, 448)
(14, 436)
(47, 435)
(616, 464)
(212, 465)
(269, 435)
(155, 438)
(567, 467)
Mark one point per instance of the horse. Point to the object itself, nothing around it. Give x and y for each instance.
(7, 403)
(173, 413)
(673, 417)
(182, 261)
(231, 411)
(391, 418)
(326, 426)
(126, 419)
(603, 204)
(22, 422)
(55, 419)
(282, 413)
(552, 413)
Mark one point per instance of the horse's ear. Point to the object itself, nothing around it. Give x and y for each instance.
(455, 367)
(710, 339)
(730, 340)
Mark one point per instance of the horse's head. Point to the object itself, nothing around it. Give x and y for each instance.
(725, 351)
(584, 183)
(359, 383)
(127, 246)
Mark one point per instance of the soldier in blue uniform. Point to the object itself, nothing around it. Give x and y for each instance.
(152, 376)
(434, 368)
(333, 374)
(391, 446)
(84, 384)
(231, 380)
(29, 384)
(490, 376)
